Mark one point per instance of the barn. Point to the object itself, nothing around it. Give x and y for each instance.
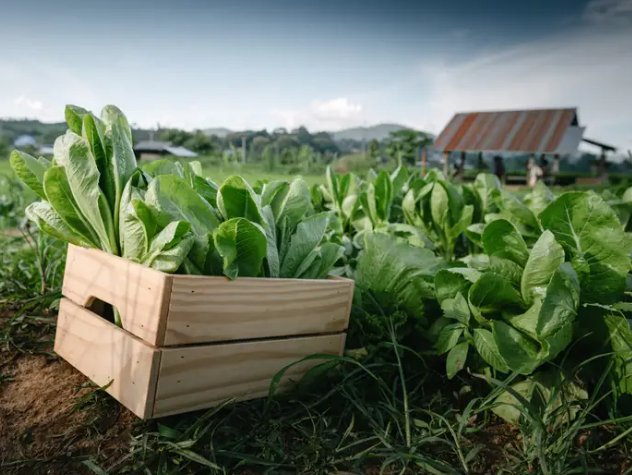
(542, 132)
(154, 150)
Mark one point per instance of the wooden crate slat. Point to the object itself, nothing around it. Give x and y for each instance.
(205, 309)
(198, 377)
(155, 382)
(106, 353)
(171, 310)
(141, 294)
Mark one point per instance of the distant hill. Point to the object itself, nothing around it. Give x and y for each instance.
(43, 133)
(375, 132)
(220, 132)
(47, 132)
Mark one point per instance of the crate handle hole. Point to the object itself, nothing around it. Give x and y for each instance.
(102, 309)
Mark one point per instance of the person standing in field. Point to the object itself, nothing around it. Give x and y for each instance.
(459, 169)
(544, 165)
(499, 168)
(534, 172)
(555, 169)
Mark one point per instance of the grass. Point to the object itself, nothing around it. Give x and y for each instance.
(390, 414)
(255, 172)
(393, 412)
(5, 167)
(219, 173)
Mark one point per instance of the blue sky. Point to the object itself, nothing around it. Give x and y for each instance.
(326, 64)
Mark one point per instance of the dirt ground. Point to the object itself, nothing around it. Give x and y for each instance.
(49, 416)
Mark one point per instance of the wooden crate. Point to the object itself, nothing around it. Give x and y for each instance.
(168, 310)
(191, 342)
(154, 382)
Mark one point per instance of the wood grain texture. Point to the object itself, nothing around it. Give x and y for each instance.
(198, 377)
(106, 353)
(170, 310)
(140, 294)
(207, 309)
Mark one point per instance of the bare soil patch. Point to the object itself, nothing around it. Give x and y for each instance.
(51, 419)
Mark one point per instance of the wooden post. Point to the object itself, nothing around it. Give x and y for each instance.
(424, 154)
(555, 170)
(446, 164)
(603, 167)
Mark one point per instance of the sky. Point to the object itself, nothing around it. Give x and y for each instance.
(325, 64)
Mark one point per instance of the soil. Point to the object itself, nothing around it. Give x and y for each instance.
(494, 442)
(51, 418)
(12, 232)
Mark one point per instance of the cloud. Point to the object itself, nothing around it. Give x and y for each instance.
(330, 114)
(42, 90)
(589, 68)
(335, 109)
(29, 103)
(608, 12)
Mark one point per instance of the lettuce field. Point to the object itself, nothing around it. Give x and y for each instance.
(490, 333)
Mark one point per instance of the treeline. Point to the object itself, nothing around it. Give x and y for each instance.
(296, 147)
(277, 147)
(43, 133)
(258, 143)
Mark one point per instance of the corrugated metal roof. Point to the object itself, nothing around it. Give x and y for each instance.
(157, 147)
(532, 131)
(181, 152)
(152, 146)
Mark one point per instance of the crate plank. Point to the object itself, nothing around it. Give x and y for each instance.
(141, 294)
(171, 310)
(207, 309)
(108, 354)
(198, 377)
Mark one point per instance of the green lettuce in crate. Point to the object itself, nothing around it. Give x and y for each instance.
(168, 216)
(84, 184)
(94, 194)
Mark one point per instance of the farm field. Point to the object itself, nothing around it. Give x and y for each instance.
(489, 331)
(4, 166)
(251, 173)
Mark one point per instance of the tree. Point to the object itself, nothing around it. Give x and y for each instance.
(258, 145)
(175, 136)
(269, 158)
(287, 141)
(201, 143)
(403, 146)
(322, 142)
(235, 139)
(306, 158)
(303, 136)
(279, 131)
(4, 148)
(374, 149)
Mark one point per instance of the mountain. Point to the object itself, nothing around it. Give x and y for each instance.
(220, 132)
(43, 133)
(375, 132)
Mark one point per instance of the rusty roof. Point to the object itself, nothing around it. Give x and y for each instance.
(533, 131)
